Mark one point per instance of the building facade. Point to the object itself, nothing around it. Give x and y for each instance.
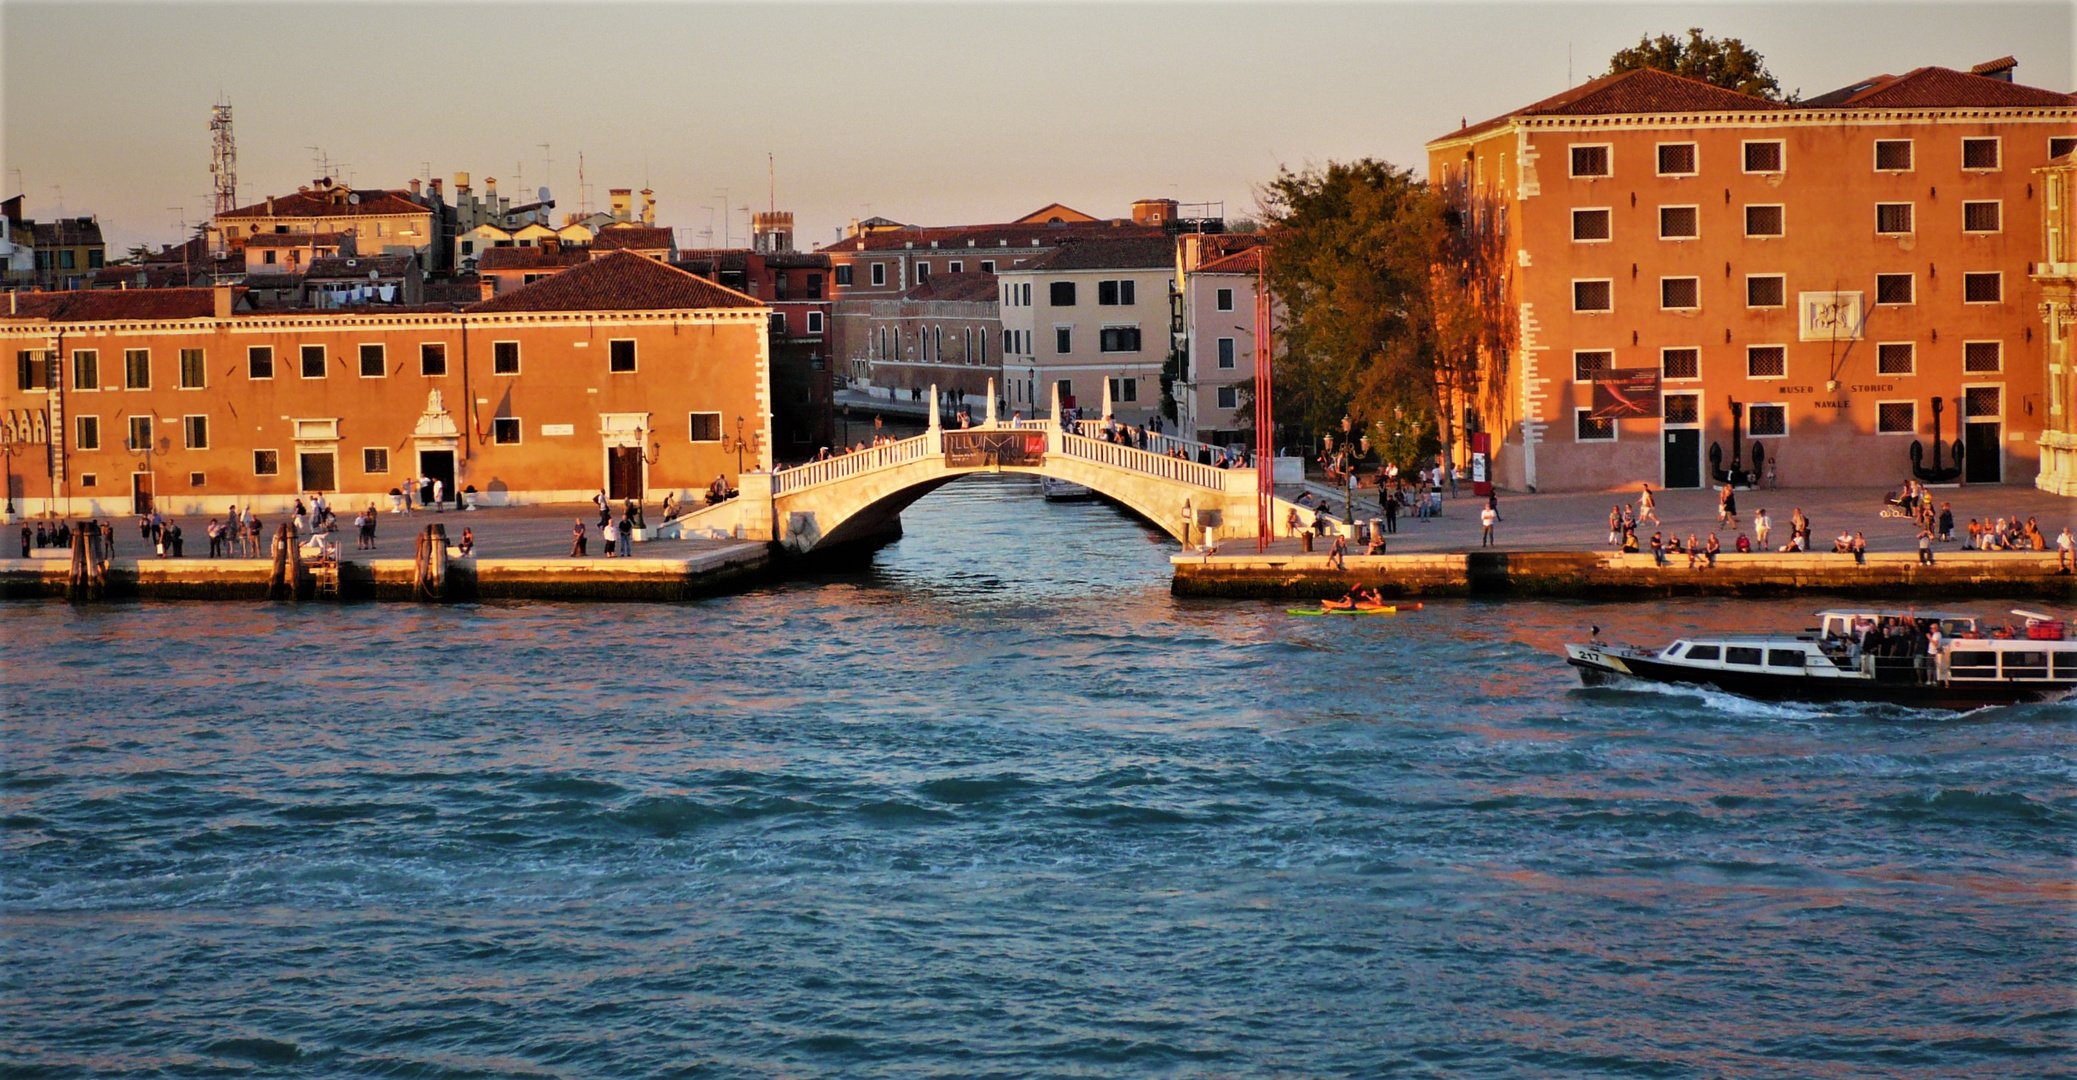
(1216, 350)
(381, 222)
(942, 332)
(60, 254)
(622, 375)
(2056, 277)
(1094, 312)
(1695, 272)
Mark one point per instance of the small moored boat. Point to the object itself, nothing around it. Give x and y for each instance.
(1859, 655)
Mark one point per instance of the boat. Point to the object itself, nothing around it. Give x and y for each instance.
(1063, 491)
(1874, 655)
(1388, 609)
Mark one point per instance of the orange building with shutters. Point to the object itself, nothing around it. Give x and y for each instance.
(622, 374)
(1828, 273)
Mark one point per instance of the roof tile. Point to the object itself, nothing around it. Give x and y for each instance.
(618, 281)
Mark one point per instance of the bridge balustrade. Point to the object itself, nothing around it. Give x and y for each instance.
(1143, 461)
(1163, 444)
(843, 467)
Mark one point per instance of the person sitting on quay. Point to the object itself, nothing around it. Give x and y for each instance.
(1377, 538)
(1714, 549)
(1658, 549)
(2065, 552)
(1694, 552)
(577, 539)
(717, 492)
(670, 506)
(468, 544)
(1860, 550)
(1925, 547)
(1743, 546)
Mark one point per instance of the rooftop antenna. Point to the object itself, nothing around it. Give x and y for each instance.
(223, 158)
(1568, 65)
(518, 178)
(18, 187)
(326, 167)
(583, 189)
(60, 189)
(724, 215)
(708, 232)
(771, 174)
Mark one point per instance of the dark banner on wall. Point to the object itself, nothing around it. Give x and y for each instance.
(1627, 394)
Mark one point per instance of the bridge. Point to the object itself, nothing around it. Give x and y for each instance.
(860, 495)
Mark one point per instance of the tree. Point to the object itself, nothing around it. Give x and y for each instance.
(1724, 62)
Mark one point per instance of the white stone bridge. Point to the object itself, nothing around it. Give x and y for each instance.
(860, 495)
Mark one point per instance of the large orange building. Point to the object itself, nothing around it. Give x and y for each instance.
(622, 374)
(1829, 273)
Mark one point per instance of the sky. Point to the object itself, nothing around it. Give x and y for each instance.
(931, 114)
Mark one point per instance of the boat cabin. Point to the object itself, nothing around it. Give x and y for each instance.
(1840, 624)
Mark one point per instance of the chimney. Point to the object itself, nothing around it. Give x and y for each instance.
(1999, 69)
(648, 207)
(414, 189)
(270, 206)
(553, 245)
(433, 188)
(461, 184)
(223, 301)
(620, 199)
(490, 189)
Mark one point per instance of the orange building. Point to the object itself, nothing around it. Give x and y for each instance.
(622, 374)
(1835, 278)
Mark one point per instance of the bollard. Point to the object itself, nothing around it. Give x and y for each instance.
(295, 577)
(277, 575)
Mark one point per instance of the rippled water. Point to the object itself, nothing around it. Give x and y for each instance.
(999, 807)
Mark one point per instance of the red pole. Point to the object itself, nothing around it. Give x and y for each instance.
(1265, 452)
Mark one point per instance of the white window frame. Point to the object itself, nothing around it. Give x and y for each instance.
(256, 452)
(1880, 402)
(1223, 393)
(1783, 346)
(1696, 377)
(1222, 299)
(878, 273)
(955, 266)
(1746, 222)
(1909, 276)
(1999, 342)
(1996, 141)
(303, 361)
(1785, 426)
(1132, 326)
(272, 367)
(1570, 162)
(1615, 427)
(422, 346)
(1750, 278)
(1070, 329)
(187, 431)
(72, 371)
(1781, 154)
(689, 427)
(1999, 274)
(1692, 145)
(127, 353)
(814, 322)
(1962, 415)
(180, 369)
(1913, 208)
(384, 451)
(633, 349)
(1875, 155)
(518, 359)
(79, 439)
(1881, 345)
(1226, 354)
(1701, 414)
(1608, 211)
(360, 361)
(1696, 306)
(1663, 207)
(1967, 203)
(518, 430)
(1577, 310)
(1576, 354)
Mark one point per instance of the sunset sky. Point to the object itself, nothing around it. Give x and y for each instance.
(929, 114)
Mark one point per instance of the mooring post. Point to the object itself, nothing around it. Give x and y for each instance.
(296, 578)
(277, 574)
(76, 581)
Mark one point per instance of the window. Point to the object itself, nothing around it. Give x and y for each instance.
(1115, 293)
(1766, 361)
(705, 427)
(266, 463)
(1703, 652)
(268, 255)
(922, 272)
(1679, 223)
(1766, 290)
(1063, 294)
(1680, 363)
(504, 430)
(259, 362)
(1739, 654)
(1677, 159)
(1896, 418)
(468, 248)
(194, 432)
(1590, 225)
(1980, 153)
(86, 432)
(1588, 429)
(1985, 288)
(137, 369)
(1893, 155)
(1590, 160)
(504, 358)
(1124, 390)
(1983, 357)
(1763, 220)
(140, 433)
(374, 364)
(1680, 293)
(32, 370)
(1683, 408)
(1762, 421)
(313, 361)
(1229, 397)
(68, 260)
(1894, 289)
(1225, 300)
(620, 355)
(1893, 218)
(375, 459)
(1593, 295)
(2061, 144)
(1119, 339)
(1896, 358)
(843, 273)
(1226, 353)
(1063, 340)
(1587, 365)
(879, 273)
(1785, 658)
(1982, 401)
(432, 358)
(1981, 217)
(1763, 157)
(814, 322)
(86, 369)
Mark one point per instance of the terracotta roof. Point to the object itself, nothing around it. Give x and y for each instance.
(1937, 87)
(65, 232)
(112, 305)
(619, 281)
(318, 203)
(953, 239)
(1136, 253)
(359, 266)
(530, 258)
(641, 237)
(281, 240)
(1644, 90)
(1049, 211)
(1240, 262)
(966, 285)
(463, 289)
(797, 260)
(273, 281)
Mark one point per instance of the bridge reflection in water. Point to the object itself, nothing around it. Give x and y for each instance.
(861, 495)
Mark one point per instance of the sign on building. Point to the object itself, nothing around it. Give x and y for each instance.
(1829, 316)
(1626, 394)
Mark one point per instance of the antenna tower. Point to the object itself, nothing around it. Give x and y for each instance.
(583, 189)
(771, 177)
(223, 158)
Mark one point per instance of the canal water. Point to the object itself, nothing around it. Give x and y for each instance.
(999, 806)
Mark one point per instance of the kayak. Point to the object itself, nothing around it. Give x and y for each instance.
(1386, 610)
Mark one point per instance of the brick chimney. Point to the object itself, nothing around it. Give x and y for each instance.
(224, 297)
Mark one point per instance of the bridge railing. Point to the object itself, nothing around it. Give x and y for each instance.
(1165, 444)
(845, 466)
(1144, 461)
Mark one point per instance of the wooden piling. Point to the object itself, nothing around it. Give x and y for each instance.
(277, 575)
(76, 582)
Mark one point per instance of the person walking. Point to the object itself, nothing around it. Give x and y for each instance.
(577, 539)
(1946, 522)
(1762, 526)
(1648, 508)
(609, 533)
(1336, 555)
(1487, 518)
(1390, 504)
(1727, 508)
(605, 509)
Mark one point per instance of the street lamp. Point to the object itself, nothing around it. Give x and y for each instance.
(10, 448)
(739, 446)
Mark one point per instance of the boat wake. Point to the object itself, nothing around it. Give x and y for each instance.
(1725, 703)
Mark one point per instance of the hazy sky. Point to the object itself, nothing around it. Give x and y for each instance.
(927, 113)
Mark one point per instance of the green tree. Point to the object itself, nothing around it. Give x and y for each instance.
(1725, 62)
